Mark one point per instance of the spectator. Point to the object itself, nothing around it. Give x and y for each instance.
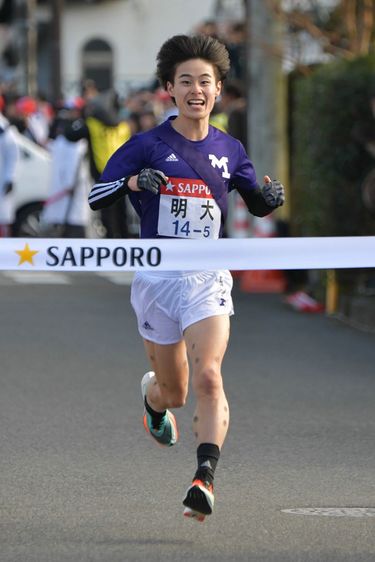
(40, 119)
(14, 111)
(104, 132)
(234, 104)
(208, 28)
(147, 120)
(236, 45)
(26, 107)
(229, 113)
(167, 108)
(299, 291)
(65, 212)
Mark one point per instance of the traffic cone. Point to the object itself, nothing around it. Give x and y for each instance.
(262, 281)
(241, 218)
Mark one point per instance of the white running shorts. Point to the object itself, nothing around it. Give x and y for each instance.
(166, 303)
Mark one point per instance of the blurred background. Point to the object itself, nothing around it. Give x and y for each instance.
(77, 80)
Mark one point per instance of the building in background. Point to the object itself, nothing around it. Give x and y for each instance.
(113, 42)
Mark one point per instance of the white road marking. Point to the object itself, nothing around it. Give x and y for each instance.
(332, 511)
(37, 278)
(118, 278)
(58, 278)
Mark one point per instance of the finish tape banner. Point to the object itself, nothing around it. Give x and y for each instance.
(64, 254)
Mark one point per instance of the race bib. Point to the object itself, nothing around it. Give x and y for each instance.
(188, 210)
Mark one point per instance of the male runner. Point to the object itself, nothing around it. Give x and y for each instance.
(185, 314)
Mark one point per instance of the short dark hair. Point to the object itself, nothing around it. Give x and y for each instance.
(181, 48)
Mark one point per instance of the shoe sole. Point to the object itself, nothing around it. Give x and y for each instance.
(145, 382)
(191, 514)
(199, 502)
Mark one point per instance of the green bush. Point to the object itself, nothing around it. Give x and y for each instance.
(329, 161)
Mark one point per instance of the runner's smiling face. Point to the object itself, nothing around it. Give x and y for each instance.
(195, 88)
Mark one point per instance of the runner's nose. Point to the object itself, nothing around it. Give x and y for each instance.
(196, 87)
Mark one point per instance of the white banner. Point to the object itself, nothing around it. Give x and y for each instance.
(64, 254)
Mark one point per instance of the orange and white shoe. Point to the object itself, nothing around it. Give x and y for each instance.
(199, 500)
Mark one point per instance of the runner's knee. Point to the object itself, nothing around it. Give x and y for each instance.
(207, 382)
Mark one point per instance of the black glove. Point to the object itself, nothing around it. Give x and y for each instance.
(8, 187)
(273, 193)
(150, 180)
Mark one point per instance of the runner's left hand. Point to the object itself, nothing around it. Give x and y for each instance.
(273, 192)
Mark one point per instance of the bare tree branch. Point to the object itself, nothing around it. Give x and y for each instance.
(352, 35)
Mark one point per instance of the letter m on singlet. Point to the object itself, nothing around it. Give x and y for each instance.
(222, 164)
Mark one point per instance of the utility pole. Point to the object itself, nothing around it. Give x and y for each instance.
(267, 94)
(57, 10)
(27, 41)
(32, 47)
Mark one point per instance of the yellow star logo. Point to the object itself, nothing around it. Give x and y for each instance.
(26, 255)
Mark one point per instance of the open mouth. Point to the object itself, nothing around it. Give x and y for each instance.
(196, 103)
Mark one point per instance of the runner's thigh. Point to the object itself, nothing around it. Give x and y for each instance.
(170, 364)
(207, 340)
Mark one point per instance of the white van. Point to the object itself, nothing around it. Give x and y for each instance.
(30, 186)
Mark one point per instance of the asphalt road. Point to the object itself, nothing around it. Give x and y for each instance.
(80, 481)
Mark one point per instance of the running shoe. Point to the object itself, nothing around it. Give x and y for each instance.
(199, 500)
(167, 433)
(302, 302)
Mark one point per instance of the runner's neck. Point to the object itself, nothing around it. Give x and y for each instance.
(191, 129)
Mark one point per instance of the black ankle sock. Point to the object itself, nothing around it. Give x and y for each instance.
(208, 456)
(156, 417)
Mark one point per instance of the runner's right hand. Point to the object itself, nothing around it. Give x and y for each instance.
(150, 180)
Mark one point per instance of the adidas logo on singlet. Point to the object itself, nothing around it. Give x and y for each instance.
(172, 158)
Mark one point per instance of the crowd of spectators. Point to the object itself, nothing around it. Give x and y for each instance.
(142, 108)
